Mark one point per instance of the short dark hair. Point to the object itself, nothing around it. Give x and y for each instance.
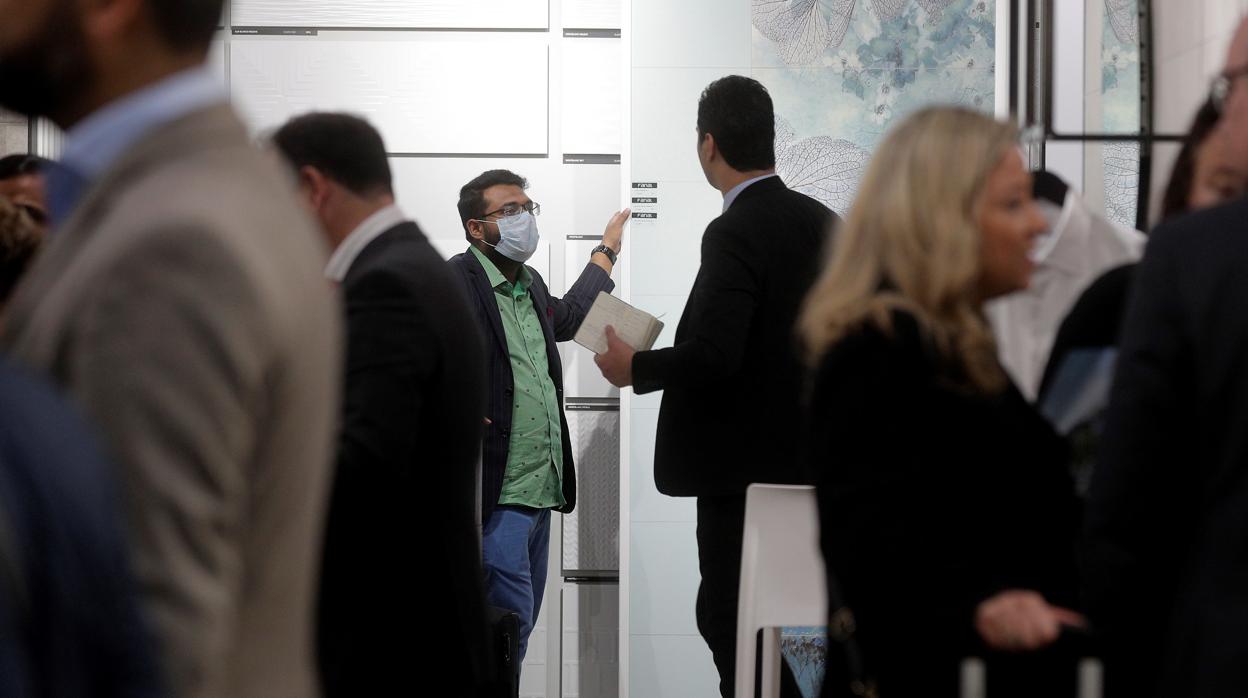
(472, 195)
(345, 148)
(186, 23)
(738, 112)
(19, 241)
(22, 164)
(1176, 199)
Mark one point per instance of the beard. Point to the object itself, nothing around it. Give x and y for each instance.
(45, 73)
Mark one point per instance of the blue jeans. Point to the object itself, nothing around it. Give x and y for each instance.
(515, 549)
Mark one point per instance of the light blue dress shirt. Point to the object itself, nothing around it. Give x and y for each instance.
(99, 140)
(733, 193)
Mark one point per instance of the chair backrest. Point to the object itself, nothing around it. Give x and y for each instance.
(782, 573)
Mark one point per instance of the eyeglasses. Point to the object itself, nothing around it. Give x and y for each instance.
(514, 209)
(1220, 89)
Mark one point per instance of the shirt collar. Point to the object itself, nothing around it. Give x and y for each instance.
(496, 277)
(368, 230)
(733, 193)
(102, 137)
(99, 140)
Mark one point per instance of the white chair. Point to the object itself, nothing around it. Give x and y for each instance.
(782, 578)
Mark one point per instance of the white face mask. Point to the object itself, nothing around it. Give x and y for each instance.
(517, 236)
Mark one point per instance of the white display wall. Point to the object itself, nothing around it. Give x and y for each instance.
(457, 87)
(677, 48)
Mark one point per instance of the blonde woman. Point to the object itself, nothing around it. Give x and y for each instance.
(947, 513)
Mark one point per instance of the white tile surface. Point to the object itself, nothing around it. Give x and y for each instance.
(1220, 16)
(392, 13)
(1177, 27)
(681, 33)
(667, 309)
(671, 667)
(665, 120)
(592, 104)
(664, 578)
(1182, 88)
(648, 505)
(591, 14)
(668, 249)
(424, 96)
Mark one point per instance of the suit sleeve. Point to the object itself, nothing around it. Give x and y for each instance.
(1132, 521)
(166, 359)
(570, 311)
(726, 300)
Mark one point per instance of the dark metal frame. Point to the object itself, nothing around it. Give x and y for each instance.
(1043, 92)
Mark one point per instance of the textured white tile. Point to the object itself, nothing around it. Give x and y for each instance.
(592, 104)
(664, 578)
(671, 667)
(679, 33)
(519, 14)
(591, 14)
(424, 96)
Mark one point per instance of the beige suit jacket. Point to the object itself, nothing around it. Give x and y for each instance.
(183, 306)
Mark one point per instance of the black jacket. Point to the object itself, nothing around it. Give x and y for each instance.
(1167, 516)
(932, 498)
(731, 382)
(402, 551)
(560, 318)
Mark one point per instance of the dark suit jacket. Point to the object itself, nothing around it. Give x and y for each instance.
(931, 499)
(402, 554)
(560, 318)
(1167, 518)
(730, 411)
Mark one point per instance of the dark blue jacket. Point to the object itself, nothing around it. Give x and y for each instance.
(70, 623)
(560, 318)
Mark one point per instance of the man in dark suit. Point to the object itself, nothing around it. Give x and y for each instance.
(527, 467)
(403, 504)
(730, 410)
(1167, 518)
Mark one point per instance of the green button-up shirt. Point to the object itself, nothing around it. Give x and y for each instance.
(534, 475)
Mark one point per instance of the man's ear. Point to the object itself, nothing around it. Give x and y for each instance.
(314, 185)
(706, 147)
(476, 230)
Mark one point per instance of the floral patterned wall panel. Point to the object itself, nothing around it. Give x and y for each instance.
(841, 71)
(1120, 107)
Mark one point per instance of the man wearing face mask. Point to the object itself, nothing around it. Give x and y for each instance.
(527, 467)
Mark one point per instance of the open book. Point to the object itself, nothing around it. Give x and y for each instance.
(636, 327)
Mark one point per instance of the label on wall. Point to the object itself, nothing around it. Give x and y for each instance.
(644, 200)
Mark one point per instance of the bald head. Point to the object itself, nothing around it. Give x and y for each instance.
(1233, 125)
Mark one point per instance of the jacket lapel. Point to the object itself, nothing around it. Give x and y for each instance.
(485, 294)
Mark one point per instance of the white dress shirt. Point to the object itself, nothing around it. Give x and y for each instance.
(364, 233)
(1080, 247)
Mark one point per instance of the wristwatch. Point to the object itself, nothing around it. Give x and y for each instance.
(610, 253)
